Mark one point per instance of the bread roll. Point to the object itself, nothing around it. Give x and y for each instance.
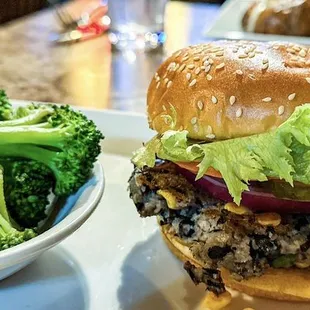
(281, 17)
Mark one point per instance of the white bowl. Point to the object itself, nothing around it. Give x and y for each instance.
(76, 211)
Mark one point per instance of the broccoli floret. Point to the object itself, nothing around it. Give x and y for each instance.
(9, 235)
(27, 184)
(6, 111)
(69, 148)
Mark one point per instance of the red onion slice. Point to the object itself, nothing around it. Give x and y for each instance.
(254, 199)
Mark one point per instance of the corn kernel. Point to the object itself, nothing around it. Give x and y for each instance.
(234, 208)
(269, 219)
(303, 264)
(214, 302)
(169, 197)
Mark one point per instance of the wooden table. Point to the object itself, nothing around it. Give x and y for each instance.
(88, 74)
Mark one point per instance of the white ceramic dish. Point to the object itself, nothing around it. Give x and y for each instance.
(74, 213)
(116, 260)
(228, 25)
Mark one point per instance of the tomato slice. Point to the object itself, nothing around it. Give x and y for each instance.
(192, 167)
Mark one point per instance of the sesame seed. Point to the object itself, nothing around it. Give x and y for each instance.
(302, 53)
(232, 100)
(267, 99)
(166, 121)
(200, 105)
(196, 128)
(193, 82)
(206, 63)
(196, 58)
(265, 66)
(164, 108)
(252, 77)
(209, 77)
(178, 53)
(239, 72)
(281, 110)
(290, 50)
(205, 58)
(291, 96)
(220, 66)
(296, 48)
(197, 71)
(265, 60)
(308, 80)
(171, 66)
(211, 62)
(182, 67)
(294, 58)
(235, 50)
(188, 76)
(169, 84)
(194, 120)
(210, 136)
(202, 68)
(184, 58)
(251, 54)
(207, 69)
(166, 80)
(186, 54)
(157, 86)
(209, 129)
(176, 67)
(219, 54)
(242, 56)
(191, 66)
(238, 112)
(214, 99)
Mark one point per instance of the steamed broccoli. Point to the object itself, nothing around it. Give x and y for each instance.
(68, 143)
(43, 149)
(27, 185)
(9, 235)
(6, 112)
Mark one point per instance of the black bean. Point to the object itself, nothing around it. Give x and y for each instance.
(218, 252)
(186, 228)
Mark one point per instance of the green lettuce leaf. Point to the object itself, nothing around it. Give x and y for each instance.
(283, 153)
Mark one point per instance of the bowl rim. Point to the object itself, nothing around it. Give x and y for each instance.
(61, 230)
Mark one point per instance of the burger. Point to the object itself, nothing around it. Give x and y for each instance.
(227, 173)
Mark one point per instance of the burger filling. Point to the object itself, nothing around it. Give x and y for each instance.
(219, 234)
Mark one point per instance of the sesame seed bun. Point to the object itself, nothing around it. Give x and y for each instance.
(286, 17)
(280, 284)
(229, 89)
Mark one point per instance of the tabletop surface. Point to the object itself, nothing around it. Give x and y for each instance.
(88, 73)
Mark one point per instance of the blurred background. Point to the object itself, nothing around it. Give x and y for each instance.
(52, 51)
(102, 54)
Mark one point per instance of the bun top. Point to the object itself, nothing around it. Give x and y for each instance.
(229, 89)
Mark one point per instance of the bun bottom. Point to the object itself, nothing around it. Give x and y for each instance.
(281, 284)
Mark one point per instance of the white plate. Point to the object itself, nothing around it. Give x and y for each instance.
(115, 260)
(228, 25)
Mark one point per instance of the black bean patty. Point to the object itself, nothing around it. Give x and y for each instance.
(216, 237)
